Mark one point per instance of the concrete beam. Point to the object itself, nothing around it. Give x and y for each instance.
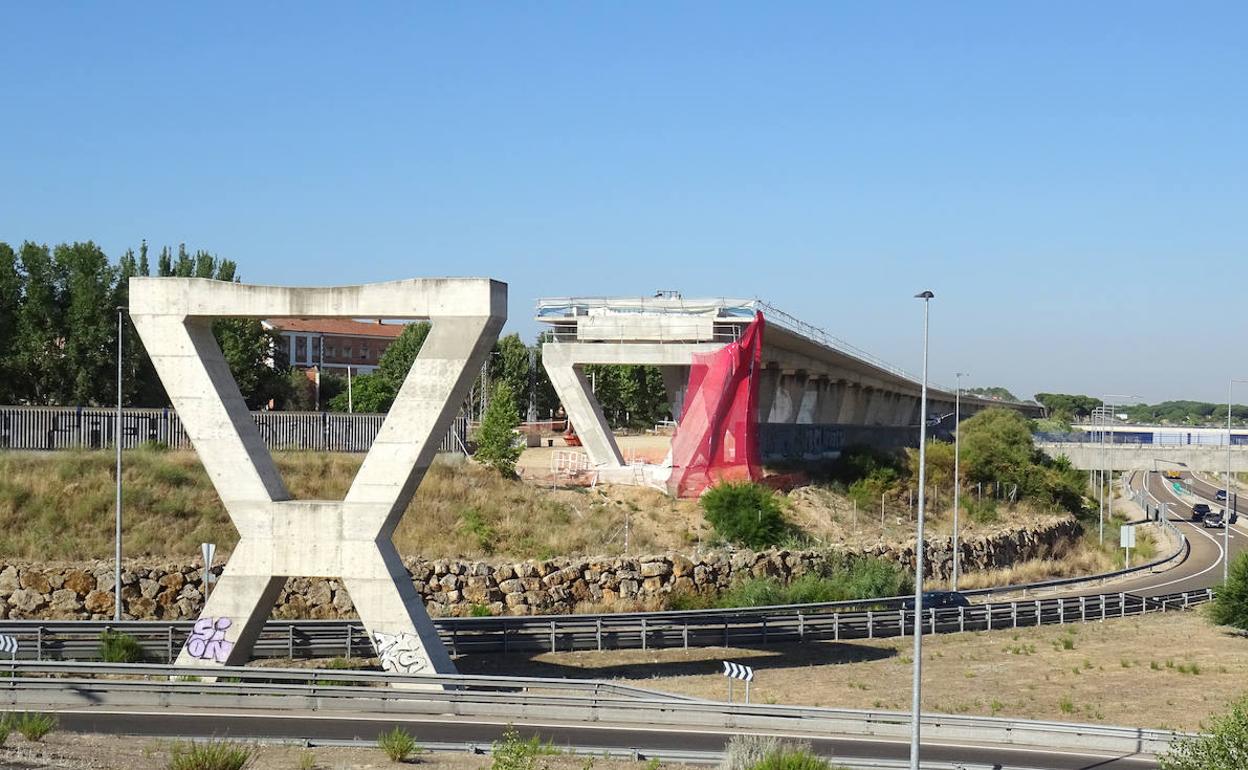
(1147, 457)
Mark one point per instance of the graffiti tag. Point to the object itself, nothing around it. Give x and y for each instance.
(400, 653)
(207, 640)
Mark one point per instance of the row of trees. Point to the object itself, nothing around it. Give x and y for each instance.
(1065, 408)
(58, 321)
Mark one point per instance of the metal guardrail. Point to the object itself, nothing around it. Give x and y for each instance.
(45, 685)
(41, 640)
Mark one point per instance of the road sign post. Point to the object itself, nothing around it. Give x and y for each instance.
(737, 671)
(208, 551)
(1126, 539)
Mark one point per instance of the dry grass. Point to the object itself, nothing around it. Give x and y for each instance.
(60, 506)
(1167, 671)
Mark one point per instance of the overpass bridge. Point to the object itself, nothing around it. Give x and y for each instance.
(817, 393)
(1208, 458)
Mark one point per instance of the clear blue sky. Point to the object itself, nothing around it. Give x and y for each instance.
(1069, 178)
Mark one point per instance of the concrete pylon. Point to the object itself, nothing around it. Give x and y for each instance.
(281, 537)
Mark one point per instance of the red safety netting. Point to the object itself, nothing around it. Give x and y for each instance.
(717, 437)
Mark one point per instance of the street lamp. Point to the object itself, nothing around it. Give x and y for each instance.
(916, 714)
(117, 443)
(957, 454)
(1226, 517)
(1108, 468)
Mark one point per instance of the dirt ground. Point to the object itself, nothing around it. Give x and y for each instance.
(1166, 671)
(69, 751)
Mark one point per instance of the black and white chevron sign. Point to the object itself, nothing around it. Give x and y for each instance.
(8, 645)
(738, 671)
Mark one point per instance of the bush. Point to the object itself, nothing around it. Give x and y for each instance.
(497, 445)
(398, 744)
(838, 582)
(767, 752)
(745, 513)
(32, 725)
(4, 732)
(1224, 744)
(516, 753)
(210, 755)
(1230, 600)
(116, 647)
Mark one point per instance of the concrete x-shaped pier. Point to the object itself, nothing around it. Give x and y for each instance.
(350, 538)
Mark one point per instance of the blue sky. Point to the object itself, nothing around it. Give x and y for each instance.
(1069, 178)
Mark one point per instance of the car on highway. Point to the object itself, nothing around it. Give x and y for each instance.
(1172, 474)
(1220, 495)
(939, 600)
(1199, 511)
(1214, 521)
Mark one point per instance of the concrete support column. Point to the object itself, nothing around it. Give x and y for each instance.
(873, 402)
(583, 409)
(830, 397)
(676, 383)
(851, 401)
(787, 399)
(768, 385)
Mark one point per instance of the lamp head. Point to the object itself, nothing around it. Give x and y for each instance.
(925, 295)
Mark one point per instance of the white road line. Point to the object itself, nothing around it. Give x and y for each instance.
(1201, 530)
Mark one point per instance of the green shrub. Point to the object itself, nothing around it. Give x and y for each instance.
(836, 582)
(516, 753)
(745, 513)
(1230, 600)
(32, 725)
(210, 755)
(768, 752)
(497, 444)
(981, 511)
(116, 647)
(792, 759)
(472, 522)
(398, 744)
(480, 611)
(1223, 744)
(4, 732)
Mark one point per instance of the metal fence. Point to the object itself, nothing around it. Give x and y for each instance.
(47, 428)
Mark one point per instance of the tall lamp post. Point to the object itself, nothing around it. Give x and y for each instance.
(1107, 472)
(1230, 507)
(957, 455)
(117, 443)
(916, 714)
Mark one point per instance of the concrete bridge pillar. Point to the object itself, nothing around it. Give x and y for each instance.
(874, 399)
(768, 385)
(808, 404)
(675, 383)
(788, 398)
(851, 404)
(831, 395)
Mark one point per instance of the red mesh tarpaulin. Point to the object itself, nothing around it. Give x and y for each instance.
(717, 438)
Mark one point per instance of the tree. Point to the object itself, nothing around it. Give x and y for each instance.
(1230, 602)
(497, 446)
(10, 308)
(939, 464)
(39, 347)
(992, 392)
(996, 447)
(368, 394)
(630, 395)
(1068, 406)
(397, 361)
(744, 513)
(1222, 745)
(510, 365)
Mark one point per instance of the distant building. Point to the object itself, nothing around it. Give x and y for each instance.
(332, 344)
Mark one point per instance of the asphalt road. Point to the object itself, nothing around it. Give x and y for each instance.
(432, 730)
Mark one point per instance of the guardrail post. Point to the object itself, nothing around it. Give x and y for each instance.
(961, 619)
(988, 608)
(801, 627)
(685, 633)
(836, 626)
(870, 625)
(901, 622)
(1061, 612)
(504, 638)
(455, 640)
(169, 646)
(349, 640)
(1102, 598)
(932, 615)
(1122, 605)
(1038, 620)
(1083, 609)
(598, 633)
(552, 636)
(1014, 613)
(1184, 600)
(643, 632)
(764, 629)
(725, 632)
(39, 643)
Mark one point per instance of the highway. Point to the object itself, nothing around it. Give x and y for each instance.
(662, 742)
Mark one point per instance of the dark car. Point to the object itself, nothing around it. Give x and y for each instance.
(939, 600)
(1220, 495)
(1199, 511)
(1214, 520)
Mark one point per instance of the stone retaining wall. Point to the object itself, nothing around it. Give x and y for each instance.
(168, 591)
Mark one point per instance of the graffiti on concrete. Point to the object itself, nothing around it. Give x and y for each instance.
(207, 640)
(400, 653)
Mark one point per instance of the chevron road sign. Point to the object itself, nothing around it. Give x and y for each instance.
(737, 671)
(9, 644)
